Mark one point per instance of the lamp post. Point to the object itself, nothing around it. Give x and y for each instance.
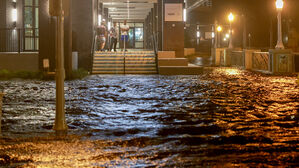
(231, 18)
(56, 9)
(219, 29)
(279, 6)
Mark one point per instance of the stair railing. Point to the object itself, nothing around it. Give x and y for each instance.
(155, 48)
(94, 41)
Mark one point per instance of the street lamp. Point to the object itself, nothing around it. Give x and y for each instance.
(231, 18)
(219, 28)
(279, 6)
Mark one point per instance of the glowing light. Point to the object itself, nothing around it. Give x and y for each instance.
(198, 34)
(99, 19)
(109, 25)
(14, 15)
(279, 4)
(232, 72)
(185, 15)
(224, 39)
(227, 35)
(213, 35)
(231, 17)
(219, 28)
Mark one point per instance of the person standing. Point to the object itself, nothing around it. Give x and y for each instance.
(114, 36)
(124, 35)
(101, 35)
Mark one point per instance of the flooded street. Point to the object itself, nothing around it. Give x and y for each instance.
(225, 117)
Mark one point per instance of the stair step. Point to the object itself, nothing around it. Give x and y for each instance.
(121, 62)
(107, 72)
(129, 55)
(142, 62)
(137, 52)
(121, 58)
(107, 68)
(140, 69)
(122, 72)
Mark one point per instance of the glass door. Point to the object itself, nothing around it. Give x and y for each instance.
(131, 38)
(135, 35)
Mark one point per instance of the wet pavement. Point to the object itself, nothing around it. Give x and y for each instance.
(225, 117)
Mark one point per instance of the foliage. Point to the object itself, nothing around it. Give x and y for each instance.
(6, 74)
(78, 74)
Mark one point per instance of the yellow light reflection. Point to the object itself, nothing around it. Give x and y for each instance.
(232, 71)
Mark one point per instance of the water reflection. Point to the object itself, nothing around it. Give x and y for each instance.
(224, 117)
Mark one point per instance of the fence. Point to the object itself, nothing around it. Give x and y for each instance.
(238, 58)
(261, 61)
(19, 40)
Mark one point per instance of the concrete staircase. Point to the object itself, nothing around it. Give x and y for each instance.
(135, 62)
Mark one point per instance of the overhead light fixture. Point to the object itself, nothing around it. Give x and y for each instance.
(198, 34)
(109, 25)
(99, 19)
(185, 15)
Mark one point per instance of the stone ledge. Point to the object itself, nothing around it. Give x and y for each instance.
(189, 51)
(173, 62)
(166, 54)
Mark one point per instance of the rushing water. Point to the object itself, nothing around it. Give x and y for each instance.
(225, 117)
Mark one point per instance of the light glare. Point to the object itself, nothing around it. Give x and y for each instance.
(279, 4)
(99, 19)
(14, 15)
(219, 28)
(231, 17)
(185, 15)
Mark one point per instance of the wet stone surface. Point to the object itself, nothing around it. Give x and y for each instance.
(225, 117)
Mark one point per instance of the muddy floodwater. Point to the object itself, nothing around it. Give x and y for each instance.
(225, 117)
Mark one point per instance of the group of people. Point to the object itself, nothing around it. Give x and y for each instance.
(103, 34)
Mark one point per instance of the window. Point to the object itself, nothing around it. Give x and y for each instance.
(31, 34)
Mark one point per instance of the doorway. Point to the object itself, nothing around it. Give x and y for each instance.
(136, 35)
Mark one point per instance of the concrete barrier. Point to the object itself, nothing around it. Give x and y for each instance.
(173, 62)
(166, 54)
(189, 51)
(218, 56)
(282, 61)
(19, 62)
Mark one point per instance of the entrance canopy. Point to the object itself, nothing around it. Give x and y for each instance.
(128, 9)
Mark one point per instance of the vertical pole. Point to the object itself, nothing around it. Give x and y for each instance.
(279, 38)
(216, 36)
(60, 123)
(244, 33)
(19, 40)
(219, 40)
(271, 34)
(231, 36)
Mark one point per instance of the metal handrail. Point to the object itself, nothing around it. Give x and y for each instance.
(93, 49)
(155, 48)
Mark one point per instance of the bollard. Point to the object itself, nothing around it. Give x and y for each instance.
(1, 98)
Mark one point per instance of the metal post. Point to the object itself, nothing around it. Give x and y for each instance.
(230, 36)
(19, 40)
(60, 123)
(279, 31)
(216, 36)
